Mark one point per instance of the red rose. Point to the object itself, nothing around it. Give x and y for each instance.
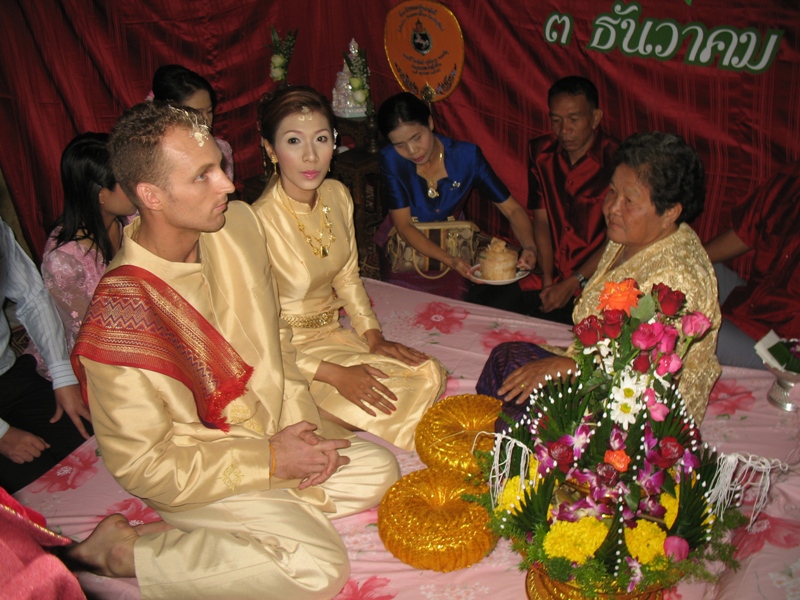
(562, 454)
(588, 331)
(613, 320)
(668, 452)
(669, 300)
(607, 474)
(641, 363)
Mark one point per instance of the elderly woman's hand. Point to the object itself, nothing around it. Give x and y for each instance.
(521, 382)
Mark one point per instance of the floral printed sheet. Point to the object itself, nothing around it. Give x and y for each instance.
(78, 493)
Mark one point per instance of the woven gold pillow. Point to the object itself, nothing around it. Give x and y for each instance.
(446, 434)
(424, 521)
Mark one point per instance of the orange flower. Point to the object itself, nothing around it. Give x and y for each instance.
(617, 459)
(620, 296)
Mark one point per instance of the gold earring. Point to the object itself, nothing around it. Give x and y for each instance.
(274, 159)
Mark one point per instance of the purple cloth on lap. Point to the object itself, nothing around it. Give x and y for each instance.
(504, 360)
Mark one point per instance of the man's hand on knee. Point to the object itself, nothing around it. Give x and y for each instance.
(302, 454)
(20, 446)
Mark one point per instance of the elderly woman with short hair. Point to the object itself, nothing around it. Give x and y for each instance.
(657, 188)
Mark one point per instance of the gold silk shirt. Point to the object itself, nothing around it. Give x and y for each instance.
(146, 423)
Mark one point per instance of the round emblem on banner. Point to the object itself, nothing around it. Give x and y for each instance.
(425, 48)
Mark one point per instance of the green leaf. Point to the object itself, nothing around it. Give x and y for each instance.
(276, 41)
(645, 310)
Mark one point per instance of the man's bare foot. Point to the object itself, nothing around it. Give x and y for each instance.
(107, 551)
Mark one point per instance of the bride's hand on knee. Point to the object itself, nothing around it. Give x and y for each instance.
(360, 385)
(380, 345)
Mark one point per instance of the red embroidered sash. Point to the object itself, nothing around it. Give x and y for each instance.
(136, 320)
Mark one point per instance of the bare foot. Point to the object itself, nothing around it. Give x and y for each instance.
(107, 551)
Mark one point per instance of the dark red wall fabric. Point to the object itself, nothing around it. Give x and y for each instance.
(68, 66)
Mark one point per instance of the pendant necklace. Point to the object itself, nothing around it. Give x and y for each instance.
(322, 250)
(432, 193)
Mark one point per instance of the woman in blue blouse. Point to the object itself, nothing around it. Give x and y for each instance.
(429, 177)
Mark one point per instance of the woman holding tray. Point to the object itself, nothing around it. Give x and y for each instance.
(429, 177)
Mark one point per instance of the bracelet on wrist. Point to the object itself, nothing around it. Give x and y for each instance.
(582, 281)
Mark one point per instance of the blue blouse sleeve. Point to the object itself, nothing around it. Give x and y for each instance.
(397, 181)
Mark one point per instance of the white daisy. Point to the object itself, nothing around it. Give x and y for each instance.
(625, 405)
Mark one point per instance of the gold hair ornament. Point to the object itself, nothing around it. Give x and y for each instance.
(305, 114)
(200, 131)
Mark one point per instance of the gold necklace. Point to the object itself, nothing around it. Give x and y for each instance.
(322, 250)
(432, 193)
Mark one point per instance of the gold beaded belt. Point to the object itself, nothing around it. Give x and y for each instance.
(311, 321)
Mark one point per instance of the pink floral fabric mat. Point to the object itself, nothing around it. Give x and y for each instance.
(75, 495)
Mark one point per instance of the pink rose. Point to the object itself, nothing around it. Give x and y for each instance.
(658, 411)
(676, 547)
(647, 335)
(695, 324)
(668, 363)
(649, 396)
(667, 342)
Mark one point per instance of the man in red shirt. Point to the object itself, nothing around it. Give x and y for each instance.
(568, 176)
(768, 223)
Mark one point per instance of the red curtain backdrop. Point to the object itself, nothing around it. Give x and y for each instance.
(69, 66)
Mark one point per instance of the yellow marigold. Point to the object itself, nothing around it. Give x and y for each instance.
(671, 504)
(575, 541)
(646, 541)
(511, 496)
(620, 296)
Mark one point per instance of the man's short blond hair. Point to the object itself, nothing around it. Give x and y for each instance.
(135, 143)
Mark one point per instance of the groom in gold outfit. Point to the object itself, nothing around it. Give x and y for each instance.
(196, 400)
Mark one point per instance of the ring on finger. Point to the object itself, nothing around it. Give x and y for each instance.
(523, 385)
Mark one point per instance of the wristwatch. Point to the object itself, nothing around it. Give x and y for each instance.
(582, 281)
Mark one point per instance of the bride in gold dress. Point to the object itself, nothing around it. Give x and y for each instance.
(357, 377)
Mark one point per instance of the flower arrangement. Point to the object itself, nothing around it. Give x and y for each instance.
(281, 54)
(605, 483)
(359, 80)
(787, 354)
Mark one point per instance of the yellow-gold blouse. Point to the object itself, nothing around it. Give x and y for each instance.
(680, 262)
(310, 285)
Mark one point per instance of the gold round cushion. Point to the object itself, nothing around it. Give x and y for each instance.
(446, 434)
(424, 522)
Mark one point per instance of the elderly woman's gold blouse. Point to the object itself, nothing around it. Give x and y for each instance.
(680, 262)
